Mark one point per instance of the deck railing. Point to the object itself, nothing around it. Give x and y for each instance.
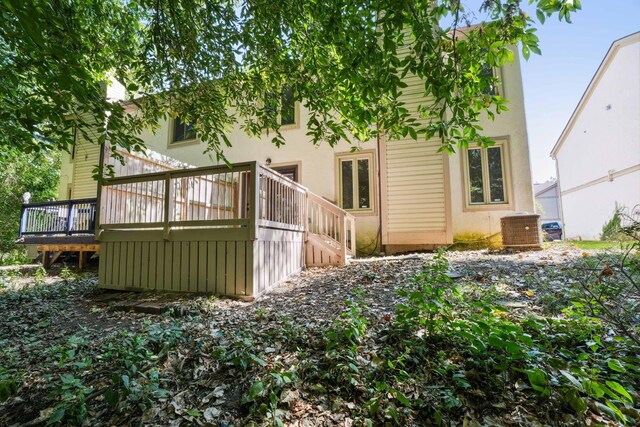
(281, 201)
(211, 196)
(64, 217)
(248, 195)
(336, 225)
(214, 196)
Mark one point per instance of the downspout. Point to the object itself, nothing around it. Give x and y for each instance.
(96, 219)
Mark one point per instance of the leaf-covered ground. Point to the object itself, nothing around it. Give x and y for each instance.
(328, 347)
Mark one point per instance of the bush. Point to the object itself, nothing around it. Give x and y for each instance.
(612, 229)
(37, 174)
(15, 257)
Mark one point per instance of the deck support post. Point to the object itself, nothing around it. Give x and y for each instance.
(305, 223)
(343, 239)
(169, 205)
(69, 226)
(352, 230)
(46, 260)
(82, 259)
(254, 196)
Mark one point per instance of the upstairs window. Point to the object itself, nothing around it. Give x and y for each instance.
(288, 110)
(493, 73)
(355, 181)
(287, 114)
(485, 175)
(182, 131)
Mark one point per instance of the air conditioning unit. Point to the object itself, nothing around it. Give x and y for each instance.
(521, 230)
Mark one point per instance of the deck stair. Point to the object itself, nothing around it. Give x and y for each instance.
(330, 234)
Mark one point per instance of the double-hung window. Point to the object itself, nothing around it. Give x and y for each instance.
(356, 181)
(486, 175)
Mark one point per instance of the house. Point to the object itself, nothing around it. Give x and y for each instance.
(547, 201)
(598, 153)
(389, 195)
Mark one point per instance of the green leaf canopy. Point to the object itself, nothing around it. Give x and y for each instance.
(214, 62)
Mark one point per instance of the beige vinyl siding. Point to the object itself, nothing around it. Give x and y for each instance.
(415, 174)
(415, 187)
(87, 158)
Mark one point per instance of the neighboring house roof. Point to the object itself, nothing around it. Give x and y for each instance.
(611, 53)
(545, 186)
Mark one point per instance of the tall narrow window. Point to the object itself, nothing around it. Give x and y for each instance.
(356, 181)
(286, 116)
(485, 175)
(183, 131)
(488, 73)
(476, 183)
(364, 193)
(496, 175)
(288, 111)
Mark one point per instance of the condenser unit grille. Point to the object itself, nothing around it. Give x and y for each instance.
(521, 231)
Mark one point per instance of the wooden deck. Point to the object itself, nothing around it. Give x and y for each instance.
(62, 219)
(235, 231)
(58, 227)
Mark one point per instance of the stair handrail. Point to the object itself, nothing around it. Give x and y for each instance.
(346, 223)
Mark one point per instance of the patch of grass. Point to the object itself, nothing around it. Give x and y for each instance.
(595, 244)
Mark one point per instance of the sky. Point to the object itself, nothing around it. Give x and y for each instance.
(555, 81)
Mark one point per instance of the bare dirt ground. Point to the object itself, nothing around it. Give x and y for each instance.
(57, 326)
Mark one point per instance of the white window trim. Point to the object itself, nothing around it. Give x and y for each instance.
(366, 154)
(506, 177)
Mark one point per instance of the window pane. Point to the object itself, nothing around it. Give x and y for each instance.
(271, 107)
(496, 179)
(476, 190)
(288, 113)
(364, 195)
(290, 172)
(190, 132)
(347, 184)
(487, 72)
(178, 130)
(183, 131)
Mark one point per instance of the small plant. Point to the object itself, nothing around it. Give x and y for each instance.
(429, 299)
(265, 395)
(40, 275)
(8, 383)
(260, 313)
(344, 339)
(133, 358)
(240, 352)
(67, 275)
(72, 407)
(612, 229)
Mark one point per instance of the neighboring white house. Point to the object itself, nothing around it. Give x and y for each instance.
(547, 201)
(598, 153)
(404, 194)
